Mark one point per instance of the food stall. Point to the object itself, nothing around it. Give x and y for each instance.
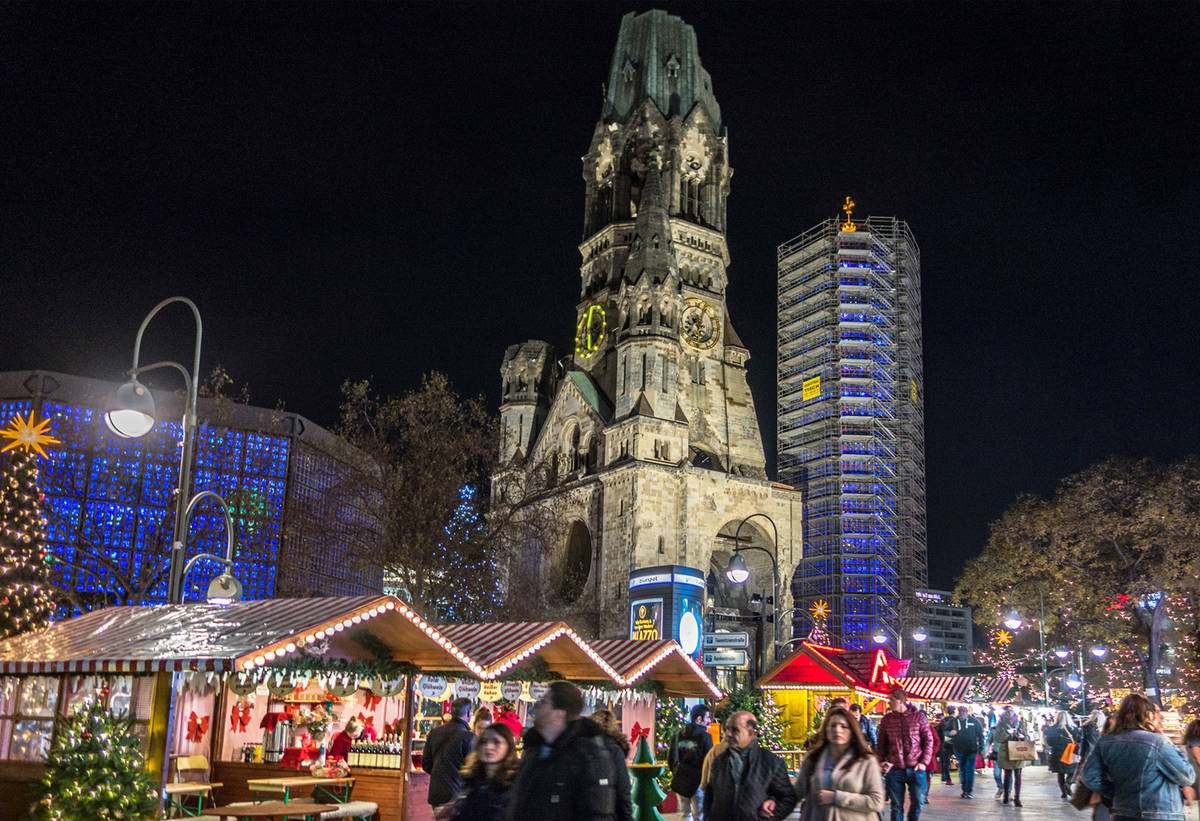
(183, 669)
(803, 684)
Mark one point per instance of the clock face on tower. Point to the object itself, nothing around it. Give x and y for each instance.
(699, 327)
(589, 334)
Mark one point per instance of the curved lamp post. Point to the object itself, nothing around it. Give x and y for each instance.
(223, 589)
(1013, 621)
(738, 573)
(131, 413)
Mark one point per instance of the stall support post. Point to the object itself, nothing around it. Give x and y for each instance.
(162, 723)
(406, 741)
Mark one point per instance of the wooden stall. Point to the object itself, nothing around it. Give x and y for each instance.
(814, 674)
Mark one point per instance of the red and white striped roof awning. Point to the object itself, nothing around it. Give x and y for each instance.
(497, 648)
(997, 689)
(662, 661)
(243, 635)
(937, 688)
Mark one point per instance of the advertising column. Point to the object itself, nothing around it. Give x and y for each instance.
(667, 602)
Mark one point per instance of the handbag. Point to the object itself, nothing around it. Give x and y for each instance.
(1021, 751)
(1081, 798)
(1069, 756)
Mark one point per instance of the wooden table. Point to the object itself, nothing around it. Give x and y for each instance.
(334, 789)
(278, 810)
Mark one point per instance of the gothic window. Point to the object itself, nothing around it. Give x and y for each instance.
(654, 241)
(521, 428)
(628, 72)
(666, 363)
(673, 67)
(645, 371)
(698, 372)
(624, 373)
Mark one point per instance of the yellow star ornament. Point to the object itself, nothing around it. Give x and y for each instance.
(23, 433)
(1003, 637)
(819, 609)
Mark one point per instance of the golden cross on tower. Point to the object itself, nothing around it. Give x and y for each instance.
(848, 207)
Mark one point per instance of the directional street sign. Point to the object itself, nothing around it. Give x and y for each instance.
(730, 640)
(725, 658)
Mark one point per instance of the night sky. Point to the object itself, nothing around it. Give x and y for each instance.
(381, 190)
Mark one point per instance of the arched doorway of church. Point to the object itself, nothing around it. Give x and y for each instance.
(574, 564)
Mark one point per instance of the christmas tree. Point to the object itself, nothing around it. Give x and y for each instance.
(669, 718)
(95, 769)
(647, 794)
(25, 593)
(771, 724)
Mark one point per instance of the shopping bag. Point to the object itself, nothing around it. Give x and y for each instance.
(1068, 755)
(1021, 751)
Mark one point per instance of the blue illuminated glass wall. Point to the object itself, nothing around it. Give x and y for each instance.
(109, 506)
(850, 429)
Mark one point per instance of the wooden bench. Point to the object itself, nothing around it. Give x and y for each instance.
(335, 790)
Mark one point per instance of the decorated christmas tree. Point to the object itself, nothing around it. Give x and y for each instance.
(95, 769)
(771, 724)
(647, 794)
(669, 718)
(26, 602)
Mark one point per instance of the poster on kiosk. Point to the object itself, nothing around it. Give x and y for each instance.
(667, 602)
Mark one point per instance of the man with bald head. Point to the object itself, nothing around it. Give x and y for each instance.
(747, 782)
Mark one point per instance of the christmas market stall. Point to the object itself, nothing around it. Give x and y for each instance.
(804, 683)
(228, 690)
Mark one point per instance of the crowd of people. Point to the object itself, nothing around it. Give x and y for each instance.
(573, 767)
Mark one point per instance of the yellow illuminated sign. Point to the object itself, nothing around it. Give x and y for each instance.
(811, 388)
(913, 389)
(647, 621)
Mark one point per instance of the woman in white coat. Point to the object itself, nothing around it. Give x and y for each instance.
(840, 779)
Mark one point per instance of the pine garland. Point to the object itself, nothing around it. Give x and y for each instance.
(95, 770)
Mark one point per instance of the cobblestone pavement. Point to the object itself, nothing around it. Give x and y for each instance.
(1039, 795)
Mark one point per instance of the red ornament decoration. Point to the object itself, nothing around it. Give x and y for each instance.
(239, 718)
(197, 727)
(637, 732)
(371, 701)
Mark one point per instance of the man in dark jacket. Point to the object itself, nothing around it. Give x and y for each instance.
(966, 736)
(566, 771)
(446, 749)
(686, 759)
(747, 783)
(945, 750)
(905, 750)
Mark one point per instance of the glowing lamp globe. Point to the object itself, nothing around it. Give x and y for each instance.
(920, 634)
(224, 590)
(1099, 651)
(130, 412)
(737, 572)
(1074, 681)
(1013, 620)
(1061, 652)
(880, 637)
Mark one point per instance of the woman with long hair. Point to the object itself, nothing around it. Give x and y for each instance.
(840, 779)
(618, 750)
(488, 774)
(1059, 735)
(1010, 727)
(1137, 767)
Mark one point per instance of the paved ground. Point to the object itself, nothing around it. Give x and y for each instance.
(1039, 795)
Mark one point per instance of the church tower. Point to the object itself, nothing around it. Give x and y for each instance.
(645, 442)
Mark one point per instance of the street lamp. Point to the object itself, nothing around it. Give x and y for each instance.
(738, 573)
(1099, 651)
(1014, 621)
(224, 589)
(1061, 652)
(920, 634)
(131, 413)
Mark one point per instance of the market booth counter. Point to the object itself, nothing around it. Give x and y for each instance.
(199, 680)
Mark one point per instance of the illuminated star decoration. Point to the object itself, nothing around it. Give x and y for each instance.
(819, 609)
(25, 434)
(1003, 637)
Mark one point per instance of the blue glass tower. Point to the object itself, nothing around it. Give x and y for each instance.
(851, 421)
(109, 501)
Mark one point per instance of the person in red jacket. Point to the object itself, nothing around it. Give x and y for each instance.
(905, 749)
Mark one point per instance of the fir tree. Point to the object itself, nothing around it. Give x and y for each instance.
(771, 724)
(647, 793)
(95, 770)
(26, 602)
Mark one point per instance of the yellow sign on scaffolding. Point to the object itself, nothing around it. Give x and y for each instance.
(913, 389)
(811, 388)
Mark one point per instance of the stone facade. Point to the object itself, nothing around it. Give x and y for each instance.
(644, 449)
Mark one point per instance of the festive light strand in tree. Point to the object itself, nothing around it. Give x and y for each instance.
(26, 600)
(1185, 652)
(94, 770)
